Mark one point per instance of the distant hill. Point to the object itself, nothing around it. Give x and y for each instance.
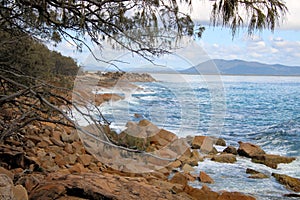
(240, 67)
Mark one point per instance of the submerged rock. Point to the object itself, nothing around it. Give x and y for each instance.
(289, 182)
(271, 160)
(256, 174)
(249, 150)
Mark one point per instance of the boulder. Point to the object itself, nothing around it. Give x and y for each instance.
(179, 178)
(191, 157)
(230, 149)
(6, 172)
(289, 182)
(271, 160)
(234, 196)
(249, 150)
(9, 191)
(101, 98)
(203, 193)
(224, 158)
(198, 141)
(187, 168)
(220, 142)
(85, 159)
(256, 174)
(175, 164)
(204, 178)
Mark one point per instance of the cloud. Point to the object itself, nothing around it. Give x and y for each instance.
(272, 50)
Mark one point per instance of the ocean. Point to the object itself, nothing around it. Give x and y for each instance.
(264, 110)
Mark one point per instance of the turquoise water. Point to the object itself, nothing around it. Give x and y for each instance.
(262, 110)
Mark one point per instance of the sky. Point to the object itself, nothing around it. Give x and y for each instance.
(279, 47)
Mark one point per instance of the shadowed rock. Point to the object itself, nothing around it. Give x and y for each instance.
(289, 182)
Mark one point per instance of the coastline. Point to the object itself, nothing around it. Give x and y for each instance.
(61, 165)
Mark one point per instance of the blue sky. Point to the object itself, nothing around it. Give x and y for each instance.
(280, 47)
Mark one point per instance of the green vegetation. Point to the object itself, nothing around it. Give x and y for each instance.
(27, 56)
(143, 27)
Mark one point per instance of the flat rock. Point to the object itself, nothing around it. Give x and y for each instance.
(271, 160)
(249, 150)
(289, 182)
(99, 186)
(234, 196)
(224, 158)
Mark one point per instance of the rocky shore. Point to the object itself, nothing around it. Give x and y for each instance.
(51, 161)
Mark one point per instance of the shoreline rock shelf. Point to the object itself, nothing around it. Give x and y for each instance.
(50, 161)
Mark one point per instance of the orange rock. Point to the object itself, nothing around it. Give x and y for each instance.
(57, 142)
(289, 182)
(77, 168)
(203, 193)
(179, 178)
(85, 159)
(198, 141)
(68, 148)
(234, 196)
(6, 172)
(271, 160)
(224, 158)
(249, 150)
(204, 178)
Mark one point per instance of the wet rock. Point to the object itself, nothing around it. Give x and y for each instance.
(249, 150)
(251, 171)
(292, 195)
(220, 142)
(289, 182)
(230, 149)
(204, 178)
(256, 174)
(224, 158)
(271, 160)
